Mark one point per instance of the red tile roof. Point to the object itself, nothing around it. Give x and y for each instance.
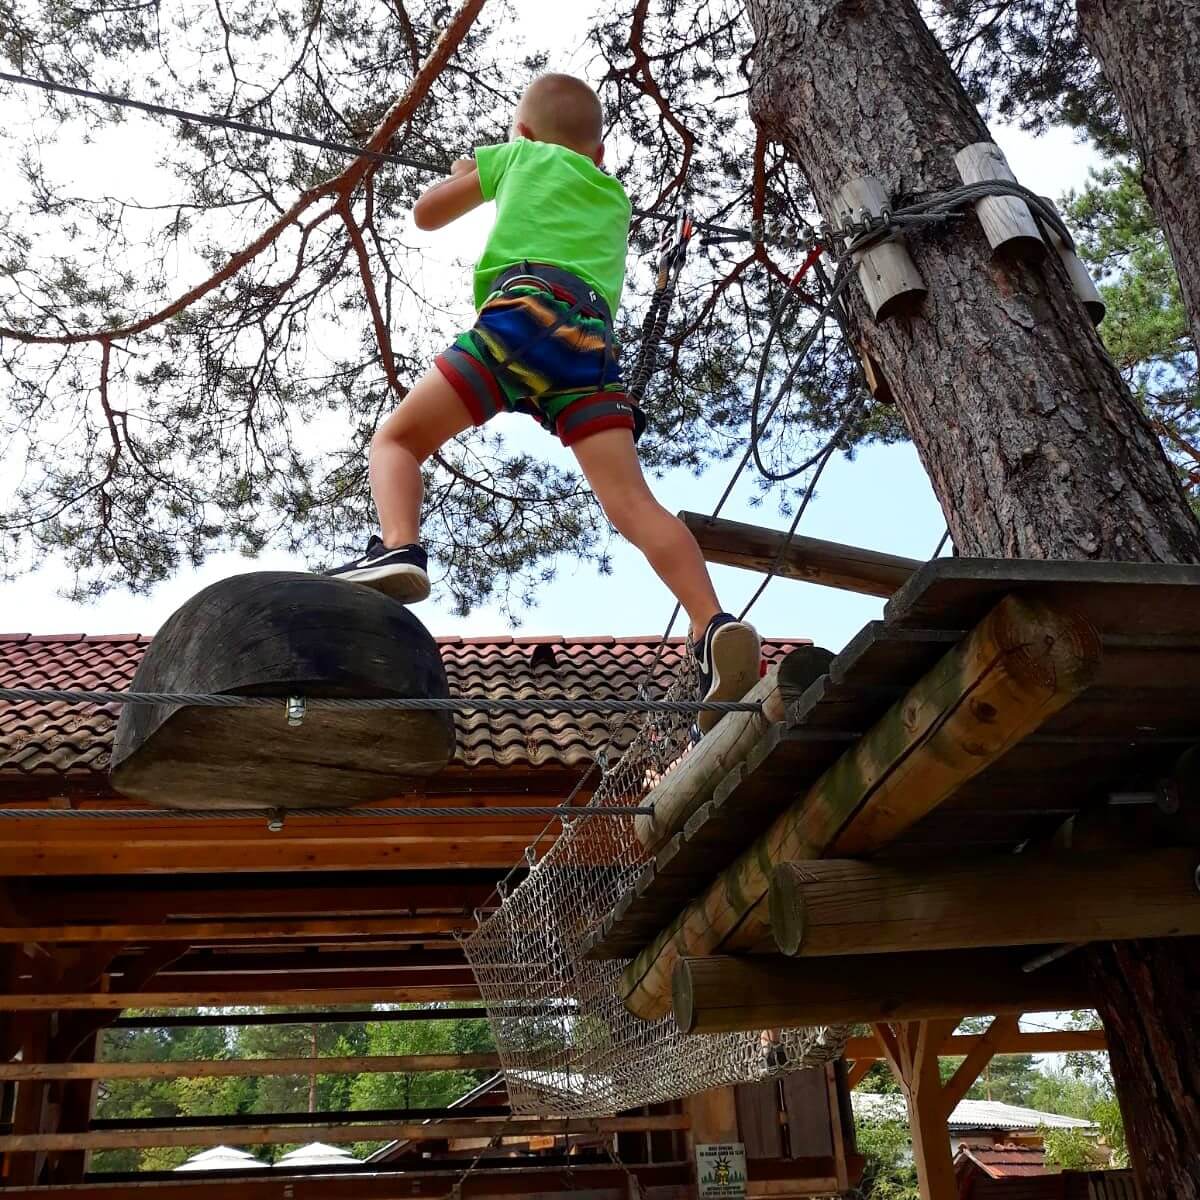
(56, 741)
(1006, 1161)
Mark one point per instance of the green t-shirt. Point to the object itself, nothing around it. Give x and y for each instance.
(556, 207)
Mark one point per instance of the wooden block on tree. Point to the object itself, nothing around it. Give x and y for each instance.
(282, 633)
(848, 907)
(1009, 225)
(889, 277)
(723, 994)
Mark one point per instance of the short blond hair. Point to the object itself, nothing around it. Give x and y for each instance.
(563, 109)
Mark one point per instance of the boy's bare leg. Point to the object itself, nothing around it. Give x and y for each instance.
(610, 464)
(428, 417)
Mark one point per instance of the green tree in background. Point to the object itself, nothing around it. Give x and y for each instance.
(1146, 329)
(890, 1173)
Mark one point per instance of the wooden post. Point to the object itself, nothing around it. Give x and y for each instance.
(887, 273)
(723, 994)
(1009, 225)
(1024, 662)
(30, 1110)
(832, 906)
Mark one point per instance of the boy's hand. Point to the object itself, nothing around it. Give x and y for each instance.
(461, 166)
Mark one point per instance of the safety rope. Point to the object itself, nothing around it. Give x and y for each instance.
(488, 704)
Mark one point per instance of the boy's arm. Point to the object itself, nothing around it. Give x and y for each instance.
(451, 198)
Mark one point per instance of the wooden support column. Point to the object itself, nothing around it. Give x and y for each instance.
(911, 1049)
(76, 1105)
(31, 1108)
(1024, 662)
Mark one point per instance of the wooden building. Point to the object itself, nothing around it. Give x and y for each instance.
(103, 912)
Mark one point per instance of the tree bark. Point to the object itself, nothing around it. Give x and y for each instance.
(1150, 52)
(1034, 445)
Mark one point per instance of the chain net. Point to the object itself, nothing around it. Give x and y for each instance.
(567, 1045)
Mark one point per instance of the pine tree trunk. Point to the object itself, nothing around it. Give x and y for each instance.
(1150, 52)
(1033, 443)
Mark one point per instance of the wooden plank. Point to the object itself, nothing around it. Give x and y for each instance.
(758, 1118)
(387, 1181)
(1041, 1041)
(830, 564)
(267, 1135)
(378, 992)
(721, 994)
(1025, 661)
(806, 1102)
(334, 1016)
(207, 931)
(1131, 600)
(835, 907)
(227, 1068)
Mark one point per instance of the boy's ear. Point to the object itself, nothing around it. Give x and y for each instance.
(523, 130)
(598, 157)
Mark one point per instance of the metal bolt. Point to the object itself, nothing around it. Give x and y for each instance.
(295, 710)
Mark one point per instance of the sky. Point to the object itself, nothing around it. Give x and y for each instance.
(880, 500)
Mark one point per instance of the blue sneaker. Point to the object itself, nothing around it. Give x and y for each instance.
(402, 572)
(729, 657)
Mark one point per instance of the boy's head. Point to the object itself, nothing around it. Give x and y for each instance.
(563, 110)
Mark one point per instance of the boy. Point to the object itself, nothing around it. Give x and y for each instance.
(546, 288)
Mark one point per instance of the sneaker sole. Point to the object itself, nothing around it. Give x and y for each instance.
(402, 581)
(736, 655)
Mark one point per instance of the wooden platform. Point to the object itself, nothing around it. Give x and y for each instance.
(1125, 732)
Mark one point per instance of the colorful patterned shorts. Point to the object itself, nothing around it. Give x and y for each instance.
(542, 345)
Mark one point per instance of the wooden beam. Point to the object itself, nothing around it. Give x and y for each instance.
(1024, 662)
(336, 1016)
(207, 931)
(378, 992)
(268, 1135)
(46, 846)
(722, 994)
(732, 544)
(842, 906)
(927, 1114)
(1047, 1041)
(982, 1053)
(859, 1070)
(254, 1067)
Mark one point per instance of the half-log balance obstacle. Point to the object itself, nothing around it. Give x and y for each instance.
(278, 633)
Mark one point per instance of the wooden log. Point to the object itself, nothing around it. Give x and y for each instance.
(282, 633)
(385, 991)
(889, 277)
(1039, 1041)
(233, 931)
(1024, 662)
(267, 1135)
(232, 1068)
(830, 564)
(1009, 225)
(334, 1016)
(1081, 278)
(723, 994)
(691, 782)
(836, 907)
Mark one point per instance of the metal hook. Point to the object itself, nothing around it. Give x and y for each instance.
(296, 709)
